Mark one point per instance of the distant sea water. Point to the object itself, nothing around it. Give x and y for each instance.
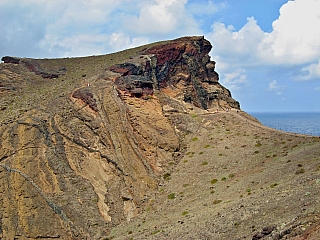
(296, 122)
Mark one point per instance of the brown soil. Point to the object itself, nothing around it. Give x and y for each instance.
(267, 184)
(80, 159)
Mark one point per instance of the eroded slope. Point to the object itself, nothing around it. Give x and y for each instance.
(85, 141)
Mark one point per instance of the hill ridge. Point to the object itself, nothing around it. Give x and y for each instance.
(103, 138)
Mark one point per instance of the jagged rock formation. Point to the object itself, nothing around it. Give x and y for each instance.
(182, 67)
(84, 142)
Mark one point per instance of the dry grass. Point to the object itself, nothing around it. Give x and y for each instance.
(253, 191)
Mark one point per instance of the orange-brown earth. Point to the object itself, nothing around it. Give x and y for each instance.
(128, 146)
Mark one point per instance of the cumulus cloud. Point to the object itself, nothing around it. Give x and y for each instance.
(292, 42)
(275, 87)
(235, 79)
(161, 17)
(293, 39)
(87, 44)
(241, 44)
(309, 72)
(37, 28)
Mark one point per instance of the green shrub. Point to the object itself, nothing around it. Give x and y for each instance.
(171, 196)
(274, 185)
(217, 201)
(213, 181)
(166, 176)
(205, 163)
(155, 232)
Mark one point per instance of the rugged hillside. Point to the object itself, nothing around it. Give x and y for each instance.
(92, 147)
(236, 180)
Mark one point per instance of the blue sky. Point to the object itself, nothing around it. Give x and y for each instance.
(267, 51)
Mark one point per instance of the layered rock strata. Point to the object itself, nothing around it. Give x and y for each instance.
(78, 161)
(182, 67)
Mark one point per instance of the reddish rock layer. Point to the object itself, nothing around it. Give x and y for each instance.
(182, 64)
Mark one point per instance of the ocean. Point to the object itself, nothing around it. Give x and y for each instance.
(297, 122)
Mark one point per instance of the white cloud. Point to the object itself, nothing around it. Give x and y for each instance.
(236, 46)
(317, 88)
(235, 79)
(310, 72)
(293, 42)
(160, 17)
(86, 44)
(295, 39)
(37, 28)
(60, 28)
(275, 87)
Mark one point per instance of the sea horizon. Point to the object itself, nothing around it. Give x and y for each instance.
(301, 122)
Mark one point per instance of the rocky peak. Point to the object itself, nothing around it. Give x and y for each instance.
(183, 66)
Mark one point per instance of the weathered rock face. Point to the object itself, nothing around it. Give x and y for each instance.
(182, 66)
(87, 154)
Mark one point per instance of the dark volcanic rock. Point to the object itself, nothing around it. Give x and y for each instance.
(265, 231)
(35, 67)
(8, 59)
(135, 79)
(86, 96)
(183, 65)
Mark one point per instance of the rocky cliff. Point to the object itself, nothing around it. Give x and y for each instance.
(85, 141)
(182, 68)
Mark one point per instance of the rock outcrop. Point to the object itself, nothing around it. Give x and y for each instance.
(182, 66)
(84, 154)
